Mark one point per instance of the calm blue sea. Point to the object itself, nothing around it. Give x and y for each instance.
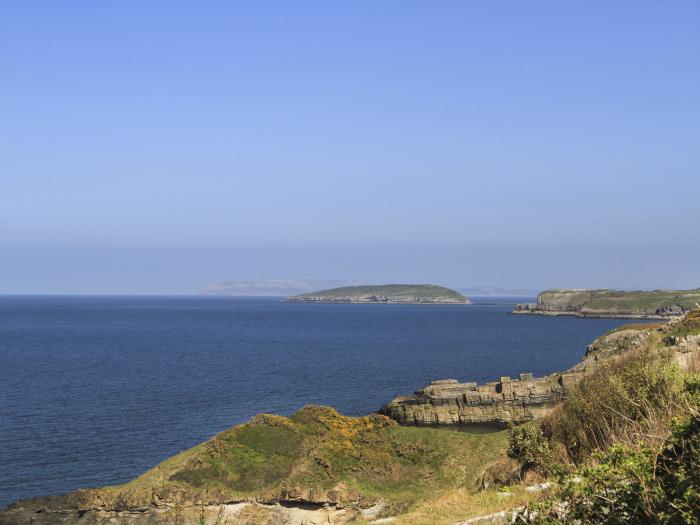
(95, 390)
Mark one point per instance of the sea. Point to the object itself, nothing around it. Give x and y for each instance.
(95, 390)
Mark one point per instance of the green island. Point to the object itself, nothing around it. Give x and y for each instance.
(629, 454)
(655, 304)
(386, 293)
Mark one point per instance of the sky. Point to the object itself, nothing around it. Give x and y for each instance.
(158, 147)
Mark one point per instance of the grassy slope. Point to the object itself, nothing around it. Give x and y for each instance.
(320, 455)
(420, 291)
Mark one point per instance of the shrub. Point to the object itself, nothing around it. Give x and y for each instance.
(626, 486)
(625, 400)
(678, 475)
(529, 447)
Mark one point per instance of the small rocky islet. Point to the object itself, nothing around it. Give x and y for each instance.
(318, 466)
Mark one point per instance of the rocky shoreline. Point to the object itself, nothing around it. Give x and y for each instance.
(531, 309)
(509, 401)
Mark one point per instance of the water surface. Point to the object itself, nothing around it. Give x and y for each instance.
(95, 390)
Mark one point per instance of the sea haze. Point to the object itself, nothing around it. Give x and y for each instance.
(95, 390)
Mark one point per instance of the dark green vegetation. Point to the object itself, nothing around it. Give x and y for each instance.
(624, 447)
(637, 484)
(530, 448)
(389, 293)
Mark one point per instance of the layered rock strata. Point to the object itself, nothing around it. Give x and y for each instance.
(499, 403)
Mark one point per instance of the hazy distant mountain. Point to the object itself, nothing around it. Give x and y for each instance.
(498, 291)
(275, 287)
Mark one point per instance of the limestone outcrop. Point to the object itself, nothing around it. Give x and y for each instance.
(499, 403)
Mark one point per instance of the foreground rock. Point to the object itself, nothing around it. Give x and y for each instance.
(658, 304)
(500, 403)
(315, 467)
(387, 294)
(507, 401)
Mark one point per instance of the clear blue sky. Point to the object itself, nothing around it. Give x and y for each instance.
(156, 147)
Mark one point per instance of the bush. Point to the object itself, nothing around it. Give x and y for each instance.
(529, 447)
(626, 400)
(678, 475)
(626, 486)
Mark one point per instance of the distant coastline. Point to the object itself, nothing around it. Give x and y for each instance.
(612, 304)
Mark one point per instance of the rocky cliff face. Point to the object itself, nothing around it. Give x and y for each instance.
(449, 402)
(659, 304)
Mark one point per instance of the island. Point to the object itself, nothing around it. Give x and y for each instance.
(615, 304)
(384, 294)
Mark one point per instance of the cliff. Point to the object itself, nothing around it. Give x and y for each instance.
(388, 294)
(500, 403)
(657, 304)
